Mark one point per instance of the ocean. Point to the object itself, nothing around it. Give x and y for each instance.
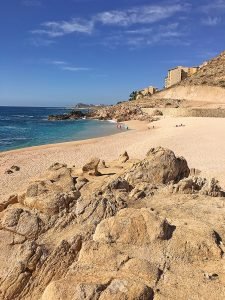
(29, 126)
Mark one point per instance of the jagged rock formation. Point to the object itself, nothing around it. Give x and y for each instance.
(73, 115)
(122, 112)
(141, 230)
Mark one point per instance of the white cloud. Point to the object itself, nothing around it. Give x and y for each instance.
(147, 14)
(75, 69)
(211, 21)
(58, 62)
(213, 6)
(139, 31)
(56, 29)
(140, 15)
(163, 34)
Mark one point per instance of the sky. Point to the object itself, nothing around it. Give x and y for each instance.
(60, 52)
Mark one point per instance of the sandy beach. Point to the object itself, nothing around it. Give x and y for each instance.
(200, 141)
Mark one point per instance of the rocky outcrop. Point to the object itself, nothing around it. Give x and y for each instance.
(122, 112)
(139, 231)
(73, 115)
(199, 185)
(160, 166)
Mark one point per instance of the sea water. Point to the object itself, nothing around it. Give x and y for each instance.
(29, 126)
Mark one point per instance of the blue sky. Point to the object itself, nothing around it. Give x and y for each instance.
(59, 52)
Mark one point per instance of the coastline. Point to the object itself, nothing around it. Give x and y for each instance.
(199, 141)
(133, 125)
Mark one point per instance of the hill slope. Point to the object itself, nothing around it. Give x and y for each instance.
(205, 89)
(212, 74)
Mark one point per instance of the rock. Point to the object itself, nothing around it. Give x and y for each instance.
(92, 167)
(60, 176)
(142, 190)
(195, 241)
(18, 265)
(73, 115)
(102, 164)
(198, 185)
(57, 166)
(211, 276)
(161, 166)
(124, 157)
(185, 186)
(48, 197)
(121, 112)
(157, 112)
(95, 209)
(120, 289)
(13, 199)
(15, 168)
(61, 289)
(22, 223)
(9, 171)
(134, 227)
(80, 182)
(194, 172)
(212, 188)
(119, 184)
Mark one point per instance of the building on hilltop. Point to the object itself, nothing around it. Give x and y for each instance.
(179, 73)
(149, 91)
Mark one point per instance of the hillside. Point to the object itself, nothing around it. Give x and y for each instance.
(212, 74)
(204, 89)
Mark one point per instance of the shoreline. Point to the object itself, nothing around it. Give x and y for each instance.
(200, 141)
(133, 125)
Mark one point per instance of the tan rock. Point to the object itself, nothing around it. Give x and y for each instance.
(160, 166)
(48, 197)
(92, 167)
(13, 199)
(133, 226)
(120, 289)
(124, 157)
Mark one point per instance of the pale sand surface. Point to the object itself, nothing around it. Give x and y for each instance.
(201, 141)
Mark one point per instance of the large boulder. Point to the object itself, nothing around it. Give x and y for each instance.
(47, 197)
(160, 166)
(134, 227)
(93, 289)
(60, 175)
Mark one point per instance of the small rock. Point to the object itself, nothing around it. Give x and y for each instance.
(11, 200)
(81, 181)
(123, 157)
(210, 276)
(92, 167)
(8, 171)
(15, 168)
(102, 164)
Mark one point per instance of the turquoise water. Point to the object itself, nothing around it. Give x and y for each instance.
(28, 126)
